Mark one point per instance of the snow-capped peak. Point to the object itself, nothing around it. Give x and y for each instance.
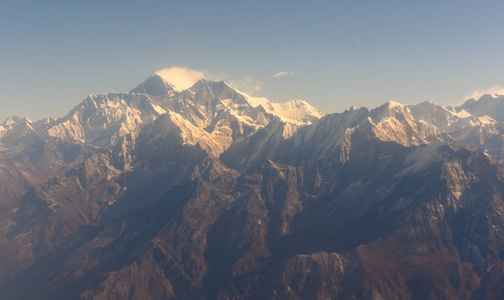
(155, 86)
(256, 101)
(391, 104)
(15, 120)
(295, 111)
(11, 120)
(487, 105)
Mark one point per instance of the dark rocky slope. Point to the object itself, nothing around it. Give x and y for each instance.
(202, 194)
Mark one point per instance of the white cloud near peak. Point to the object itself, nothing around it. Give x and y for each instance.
(247, 84)
(181, 77)
(499, 90)
(281, 74)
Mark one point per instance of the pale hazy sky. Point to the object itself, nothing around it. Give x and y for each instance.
(334, 54)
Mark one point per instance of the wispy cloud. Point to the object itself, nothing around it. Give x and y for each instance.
(181, 77)
(281, 74)
(499, 90)
(247, 84)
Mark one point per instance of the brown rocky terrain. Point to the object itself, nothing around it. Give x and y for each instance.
(206, 194)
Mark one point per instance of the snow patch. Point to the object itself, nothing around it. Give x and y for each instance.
(462, 114)
(486, 120)
(297, 112)
(420, 158)
(394, 104)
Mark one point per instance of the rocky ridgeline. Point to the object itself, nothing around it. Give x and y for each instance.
(209, 193)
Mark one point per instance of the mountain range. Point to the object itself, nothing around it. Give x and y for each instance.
(209, 193)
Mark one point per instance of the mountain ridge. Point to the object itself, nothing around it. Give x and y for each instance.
(209, 193)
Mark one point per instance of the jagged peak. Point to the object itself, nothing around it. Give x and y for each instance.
(256, 101)
(297, 102)
(296, 112)
(485, 98)
(155, 85)
(389, 106)
(219, 85)
(388, 109)
(489, 104)
(490, 97)
(15, 119)
(46, 120)
(392, 104)
(462, 114)
(11, 120)
(427, 103)
(467, 103)
(26, 120)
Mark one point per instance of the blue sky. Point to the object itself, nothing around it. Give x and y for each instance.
(53, 54)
